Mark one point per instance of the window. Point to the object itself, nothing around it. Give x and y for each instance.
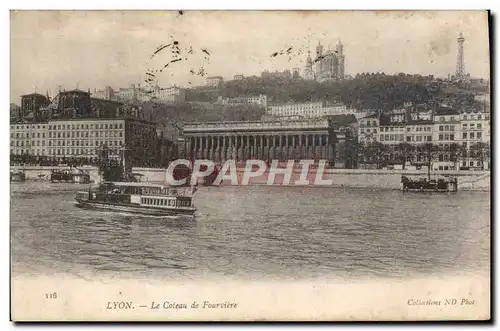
(441, 119)
(464, 164)
(464, 135)
(440, 137)
(440, 128)
(452, 136)
(472, 125)
(471, 163)
(440, 158)
(465, 117)
(472, 135)
(479, 116)
(429, 138)
(479, 126)
(478, 135)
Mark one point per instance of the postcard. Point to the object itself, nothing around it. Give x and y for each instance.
(250, 165)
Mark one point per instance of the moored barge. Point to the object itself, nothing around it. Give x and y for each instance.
(429, 185)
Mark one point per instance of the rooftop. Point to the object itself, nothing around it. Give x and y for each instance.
(342, 119)
(374, 115)
(446, 111)
(33, 94)
(75, 91)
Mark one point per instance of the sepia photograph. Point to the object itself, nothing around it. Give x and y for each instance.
(251, 165)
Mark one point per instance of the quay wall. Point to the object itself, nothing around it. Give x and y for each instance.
(348, 178)
(351, 178)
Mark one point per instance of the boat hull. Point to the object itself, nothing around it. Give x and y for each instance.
(135, 209)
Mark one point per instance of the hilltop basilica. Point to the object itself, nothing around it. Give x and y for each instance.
(327, 66)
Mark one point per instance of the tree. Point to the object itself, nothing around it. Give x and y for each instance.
(455, 152)
(404, 152)
(430, 151)
(371, 153)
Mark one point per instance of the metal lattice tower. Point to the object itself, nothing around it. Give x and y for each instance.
(460, 73)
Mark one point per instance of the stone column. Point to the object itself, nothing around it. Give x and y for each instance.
(223, 149)
(195, 155)
(314, 146)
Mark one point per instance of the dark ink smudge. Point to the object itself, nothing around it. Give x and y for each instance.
(159, 49)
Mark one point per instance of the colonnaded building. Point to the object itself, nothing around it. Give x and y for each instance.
(312, 139)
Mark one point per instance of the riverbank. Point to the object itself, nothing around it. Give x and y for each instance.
(348, 178)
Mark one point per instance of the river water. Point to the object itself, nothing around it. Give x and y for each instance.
(254, 232)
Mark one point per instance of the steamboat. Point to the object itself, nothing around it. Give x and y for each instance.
(139, 198)
(119, 191)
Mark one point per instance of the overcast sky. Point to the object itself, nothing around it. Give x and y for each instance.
(92, 49)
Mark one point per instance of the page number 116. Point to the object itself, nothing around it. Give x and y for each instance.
(51, 295)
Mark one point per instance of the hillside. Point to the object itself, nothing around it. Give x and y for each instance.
(365, 91)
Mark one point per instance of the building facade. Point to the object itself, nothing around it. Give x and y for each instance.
(306, 109)
(264, 140)
(312, 109)
(214, 81)
(83, 138)
(368, 129)
(260, 100)
(451, 139)
(107, 94)
(29, 138)
(446, 136)
(170, 94)
(475, 140)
